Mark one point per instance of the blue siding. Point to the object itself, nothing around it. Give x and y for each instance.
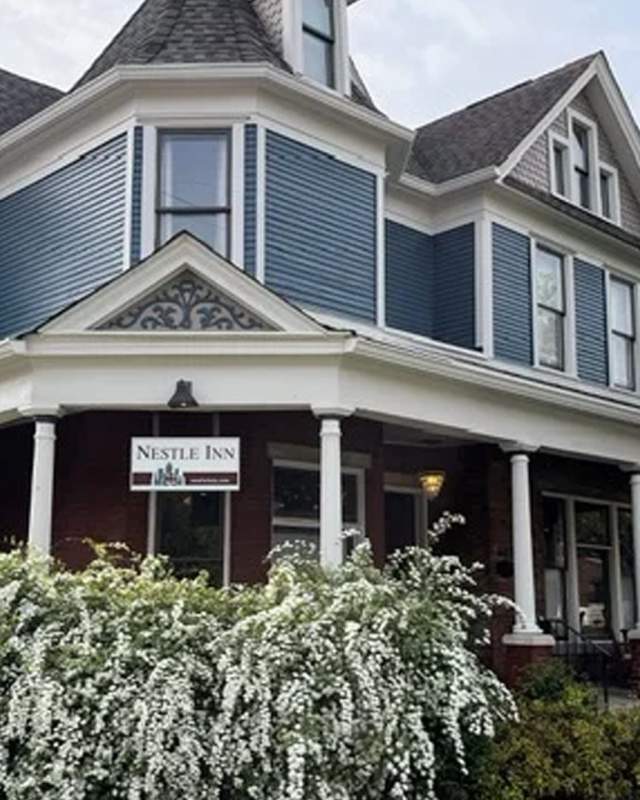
(591, 322)
(455, 291)
(250, 197)
(136, 196)
(320, 229)
(512, 326)
(409, 279)
(62, 237)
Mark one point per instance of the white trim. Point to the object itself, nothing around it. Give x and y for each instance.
(227, 543)
(613, 274)
(237, 192)
(261, 203)
(575, 117)
(128, 201)
(613, 173)
(571, 337)
(152, 499)
(381, 256)
(149, 188)
(424, 187)
(554, 139)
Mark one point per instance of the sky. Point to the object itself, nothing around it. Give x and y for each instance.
(421, 58)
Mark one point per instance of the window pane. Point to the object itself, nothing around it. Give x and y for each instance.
(213, 229)
(627, 569)
(190, 533)
(581, 147)
(550, 338)
(194, 170)
(318, 14)
(307, 539)
(296, 493)
(549, 288)
(560, 156)
(592, 524)
(622, 307)
(593, 582)
(584, 189)
(554, 532)
(622, 369)
(605, 194)
(318, 59)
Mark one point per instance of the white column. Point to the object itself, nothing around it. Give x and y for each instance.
(41, 511)
(331, 543)
(635, 517)
(615, 575)
(524, 576)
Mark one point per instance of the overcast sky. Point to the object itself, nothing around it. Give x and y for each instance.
(421, 58)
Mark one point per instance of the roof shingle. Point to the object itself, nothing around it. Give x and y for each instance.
(486, 133)
(21, 98)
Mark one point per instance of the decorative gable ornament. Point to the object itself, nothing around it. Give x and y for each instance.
(186, 303)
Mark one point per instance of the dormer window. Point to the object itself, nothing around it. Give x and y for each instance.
(319, 41)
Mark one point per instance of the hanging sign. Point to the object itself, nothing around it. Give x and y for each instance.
(185, 465)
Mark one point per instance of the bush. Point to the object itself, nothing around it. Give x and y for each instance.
(562, 747)
(349, 684)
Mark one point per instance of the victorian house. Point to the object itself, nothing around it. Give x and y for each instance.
(239, 305)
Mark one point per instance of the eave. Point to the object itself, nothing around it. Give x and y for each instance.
(397, 138)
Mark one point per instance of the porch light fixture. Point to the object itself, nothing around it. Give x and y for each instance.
(432, 483)
(183, 396)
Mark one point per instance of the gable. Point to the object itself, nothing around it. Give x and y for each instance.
(186, 302)
(534, 167)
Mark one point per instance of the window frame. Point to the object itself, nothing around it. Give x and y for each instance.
(614, 187)
(557, 141)
(161, 211)
(567, 315)
(331, 41)
(612, 276)
(301, 522)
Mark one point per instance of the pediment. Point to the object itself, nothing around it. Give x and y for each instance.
(184, 287)
(186, 302)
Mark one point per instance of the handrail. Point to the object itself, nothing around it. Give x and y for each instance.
(605, 658)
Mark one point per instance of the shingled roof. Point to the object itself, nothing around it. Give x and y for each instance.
(21, 98)
(188, 31)
(486, 133)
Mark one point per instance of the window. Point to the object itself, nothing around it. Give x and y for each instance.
(319, 41)
(555, 559)
(625, 528)
(593, 556)
(194, 193)
(623, 334)
(296, 503)
(550, 308)
(605, 194)
(561, 168)
(582, 164)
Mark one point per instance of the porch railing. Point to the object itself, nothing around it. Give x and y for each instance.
(604, 664)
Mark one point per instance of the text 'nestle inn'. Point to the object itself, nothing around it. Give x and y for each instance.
(241, 306)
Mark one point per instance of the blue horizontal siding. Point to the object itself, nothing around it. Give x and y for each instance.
(512, 307)
(455, 290)
(61, 237)
(136, 195)
(250, 197)
(409, 279)
(591, 322)
(320, 229)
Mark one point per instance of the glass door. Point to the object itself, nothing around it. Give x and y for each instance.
(190, 532)
(593, 539)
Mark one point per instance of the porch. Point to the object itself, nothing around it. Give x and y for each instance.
(568, 562)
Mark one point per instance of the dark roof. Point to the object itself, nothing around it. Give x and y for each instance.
(188, 31)
(575, 212)
(21, 98)
(486, 133)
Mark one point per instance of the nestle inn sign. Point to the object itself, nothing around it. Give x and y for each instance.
(184, 465)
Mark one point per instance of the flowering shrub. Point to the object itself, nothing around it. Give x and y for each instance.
(345, 684)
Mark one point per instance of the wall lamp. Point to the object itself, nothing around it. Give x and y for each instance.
(432, 483)
(183, 396)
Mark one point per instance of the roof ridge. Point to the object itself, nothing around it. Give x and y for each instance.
(516, 87)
